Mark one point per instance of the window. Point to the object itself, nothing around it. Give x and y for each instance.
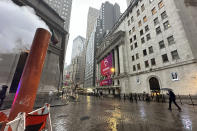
(142, 40)
(158, 30)
(146, 64)
(134, 37)
(161, 44)
(144, 52)
(142, 8)
(133, 58)
(165, 58)
(164, 15)
(135, 44)
(131, 47)
(145, 19)
(129, 23)
(175, 55)
(141, 32)
(146, 28)
(138, 12)
(137, 56)
(148, 37)
(138, 66)
(134, 68)
(170, 40)
(130, 32)
(160, 5)
(153, 11)
(156, 21)
(153, 61)
(132, 19)
(174, 76)
(131, 40)
(166, 25)
(150, 50)
(140, 23)
(133, 29)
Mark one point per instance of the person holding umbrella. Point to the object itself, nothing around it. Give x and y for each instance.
(172, 98)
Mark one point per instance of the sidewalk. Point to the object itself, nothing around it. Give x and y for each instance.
(41, 99)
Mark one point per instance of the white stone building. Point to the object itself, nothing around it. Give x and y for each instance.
(154, 47)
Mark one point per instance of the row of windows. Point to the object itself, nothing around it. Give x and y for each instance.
(148, 37)
(165, 59)
(154, 11)
(161, 43)
(166, 24)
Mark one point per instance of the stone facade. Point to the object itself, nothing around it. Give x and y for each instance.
(157, 45)
(52, 74)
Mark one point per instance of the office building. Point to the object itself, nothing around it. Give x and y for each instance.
(91, 20)
(63, 8)
(78, 46)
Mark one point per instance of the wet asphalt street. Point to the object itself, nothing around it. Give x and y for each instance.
(109, 114)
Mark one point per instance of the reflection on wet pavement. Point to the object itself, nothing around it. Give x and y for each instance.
(107, 114)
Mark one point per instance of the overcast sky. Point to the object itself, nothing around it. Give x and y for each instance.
(78, 21)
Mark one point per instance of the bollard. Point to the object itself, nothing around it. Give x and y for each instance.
(191, 99)
(180, 99)
(29, 82)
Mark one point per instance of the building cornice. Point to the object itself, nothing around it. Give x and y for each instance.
(193, 61)
(109, 44)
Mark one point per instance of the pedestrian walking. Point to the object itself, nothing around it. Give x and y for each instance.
(135, 97)
(139, 97)
(101, 94)
(62, 93)
(131, 97)
(172, 98)
(157, 97)
(143, 96)
(124, 97)
(3, 94)
(147, 98)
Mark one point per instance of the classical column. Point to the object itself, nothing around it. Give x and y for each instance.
(97, 73)
(121, 59)
(116, 61)
(116, 65)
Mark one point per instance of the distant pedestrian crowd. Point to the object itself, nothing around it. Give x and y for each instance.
(154, 96)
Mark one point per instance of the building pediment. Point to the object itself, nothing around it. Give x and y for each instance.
(109, 43)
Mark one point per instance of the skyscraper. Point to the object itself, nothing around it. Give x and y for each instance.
(78, 46)
(92, 16)
(63, 8)
(78, 60)
(108, 15)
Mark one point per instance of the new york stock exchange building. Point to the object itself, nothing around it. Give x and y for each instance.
(152, 46)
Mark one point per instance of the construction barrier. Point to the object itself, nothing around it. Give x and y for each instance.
(37, 120)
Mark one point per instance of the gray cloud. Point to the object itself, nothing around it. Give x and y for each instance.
(17, 27)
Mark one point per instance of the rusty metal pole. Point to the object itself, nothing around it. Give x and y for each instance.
(29, 82)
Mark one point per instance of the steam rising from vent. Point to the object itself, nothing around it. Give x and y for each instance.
(17, 27)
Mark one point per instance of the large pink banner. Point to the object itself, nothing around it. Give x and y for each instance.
(106, 65)
(106, 82)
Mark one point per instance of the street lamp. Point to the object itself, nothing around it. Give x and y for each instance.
(112, 69)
